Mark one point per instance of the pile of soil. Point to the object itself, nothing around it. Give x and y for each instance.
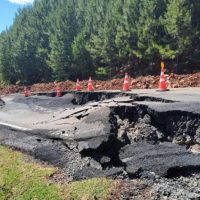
(11, 89)
(141, 82)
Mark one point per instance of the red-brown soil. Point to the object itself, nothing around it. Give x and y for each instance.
(142, 82)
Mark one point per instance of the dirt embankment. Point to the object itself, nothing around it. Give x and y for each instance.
(142, 82)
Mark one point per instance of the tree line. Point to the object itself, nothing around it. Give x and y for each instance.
(66, 39)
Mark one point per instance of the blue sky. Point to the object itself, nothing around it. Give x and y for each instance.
(8, 8)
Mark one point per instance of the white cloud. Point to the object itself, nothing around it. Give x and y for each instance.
(21, 1)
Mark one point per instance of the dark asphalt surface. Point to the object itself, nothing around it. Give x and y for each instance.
(84, 139)
(27, 112)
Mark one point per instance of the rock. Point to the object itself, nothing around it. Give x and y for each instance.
(198, 132)
(99, 160)
(105, 159)
(179, 140)
(122, 134)
(160, 135)
(195, 148)
(95, 164)
(146, 119)
(197, 140)
(119, 121)
(143, 131)
(192, 196)
(162, 159)
(183, 140)
(188, 140)
(197, 136)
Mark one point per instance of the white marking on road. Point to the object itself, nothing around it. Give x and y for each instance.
(15, 127)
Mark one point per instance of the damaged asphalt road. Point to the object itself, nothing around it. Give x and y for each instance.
(148, 134)
(1, 102)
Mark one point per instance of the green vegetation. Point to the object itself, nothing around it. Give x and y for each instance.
(21, 179)
(89, 189)
(66, 39)
(2, 82)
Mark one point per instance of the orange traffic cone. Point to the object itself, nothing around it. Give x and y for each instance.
(162, 82)
(90, 86)
(26, 92)
(126, 83)
(58, 91)
(78, 85)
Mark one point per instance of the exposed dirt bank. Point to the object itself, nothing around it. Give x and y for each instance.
(143, 82)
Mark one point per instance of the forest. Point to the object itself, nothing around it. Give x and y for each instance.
(66, 39)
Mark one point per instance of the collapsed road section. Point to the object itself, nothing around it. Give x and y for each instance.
(155, 136)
